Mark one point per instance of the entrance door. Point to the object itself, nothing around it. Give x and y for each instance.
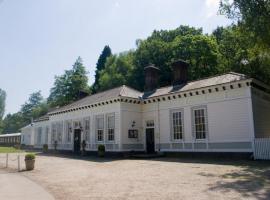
(77, 140)
(150, 140)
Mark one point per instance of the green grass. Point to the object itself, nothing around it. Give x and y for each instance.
(9, 150)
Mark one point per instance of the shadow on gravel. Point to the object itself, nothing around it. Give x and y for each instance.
(252, 180)
(92, 158)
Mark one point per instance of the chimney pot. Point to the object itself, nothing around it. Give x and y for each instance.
(180, 72)
(151, 74)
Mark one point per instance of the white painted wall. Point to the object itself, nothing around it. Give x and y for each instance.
(228, 121)
(229, 113)
(92, 113)
(27, 136)
(131, 113)
(43, 125)
(261, 112)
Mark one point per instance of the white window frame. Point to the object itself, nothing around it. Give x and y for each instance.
(86, 129)
(47, 129)
(53, 133)
(180, 126)
(59, 132)
(100, 130)
(68, 131)
(39, 135)
(201, 122)
(110, 130)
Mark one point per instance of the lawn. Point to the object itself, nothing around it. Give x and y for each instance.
(9, 150)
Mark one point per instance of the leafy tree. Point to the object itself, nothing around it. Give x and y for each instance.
(35, 107)
(118, 71)
(34, 101)
(68, 86)
(2, 103)
(13, 122)
(253, 16)
(106, 52)
(164, 47)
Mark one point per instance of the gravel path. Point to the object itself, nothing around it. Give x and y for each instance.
(165, 178)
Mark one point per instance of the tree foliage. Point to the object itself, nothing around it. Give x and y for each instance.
(162, 48)
(2, 103)
(68, 86)
(35, 107)
(106, 52)
(252, 16)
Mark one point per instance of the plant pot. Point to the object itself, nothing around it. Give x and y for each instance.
(29, 164)
(101, 153)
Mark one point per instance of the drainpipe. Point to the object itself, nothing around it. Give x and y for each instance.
(158, 129)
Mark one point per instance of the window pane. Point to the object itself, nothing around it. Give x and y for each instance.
(200, 123)
(177, 125)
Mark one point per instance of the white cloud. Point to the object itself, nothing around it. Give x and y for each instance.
(211, 8)
(212, 3)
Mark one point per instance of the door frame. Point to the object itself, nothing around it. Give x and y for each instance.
(80, 138)
(154, 145)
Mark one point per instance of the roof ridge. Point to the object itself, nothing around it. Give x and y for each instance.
(234, 73)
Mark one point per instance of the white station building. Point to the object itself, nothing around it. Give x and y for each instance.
(223, 113)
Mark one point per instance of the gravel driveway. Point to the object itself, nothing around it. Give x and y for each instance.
(162, 178)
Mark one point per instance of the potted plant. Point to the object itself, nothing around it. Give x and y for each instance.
(55, 145)
(29, 161)
(101, 150)
(83, 147)
(45, 148)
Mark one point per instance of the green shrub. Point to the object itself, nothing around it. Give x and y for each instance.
(101, 148)
(45, 148)
(30, 156)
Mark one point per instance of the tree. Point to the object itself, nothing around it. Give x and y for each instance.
(118, 71)
(35, 107)
(68, 86)
(106, 52)
(253, 16)
(164, 47)
(2, 103)
(13, 122)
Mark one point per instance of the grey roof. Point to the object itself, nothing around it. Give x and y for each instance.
(211, 81)
(125, 91)
(42, 118)
(10, 134)
(122, 91)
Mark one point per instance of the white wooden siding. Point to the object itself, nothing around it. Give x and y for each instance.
(261, 112)
(262, 148)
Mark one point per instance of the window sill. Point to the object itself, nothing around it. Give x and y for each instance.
(200, 140)
(178, 141)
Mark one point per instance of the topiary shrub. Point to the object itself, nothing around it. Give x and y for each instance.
(30, 156)
(45, 148)
(101, 150)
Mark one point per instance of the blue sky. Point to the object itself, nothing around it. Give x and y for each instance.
(41, 38)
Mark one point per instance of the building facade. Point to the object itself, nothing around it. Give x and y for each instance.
(224, 113)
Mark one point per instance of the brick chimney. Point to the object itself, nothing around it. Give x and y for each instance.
(180, 72)
(151, 74)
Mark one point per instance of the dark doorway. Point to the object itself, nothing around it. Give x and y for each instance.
(77, 140)
(150, 140)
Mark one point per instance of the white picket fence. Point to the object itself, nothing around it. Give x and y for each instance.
(262, 149)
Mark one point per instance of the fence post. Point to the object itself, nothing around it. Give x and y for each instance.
(18, 163)
(7, 161)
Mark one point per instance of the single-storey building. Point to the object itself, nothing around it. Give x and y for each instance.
(10, 139)
(223, 113)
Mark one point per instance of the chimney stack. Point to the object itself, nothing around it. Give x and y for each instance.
(151, 74)
(180, 72)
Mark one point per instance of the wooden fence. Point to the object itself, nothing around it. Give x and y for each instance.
(262, 149)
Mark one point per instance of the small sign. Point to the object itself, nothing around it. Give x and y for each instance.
(134, 133)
